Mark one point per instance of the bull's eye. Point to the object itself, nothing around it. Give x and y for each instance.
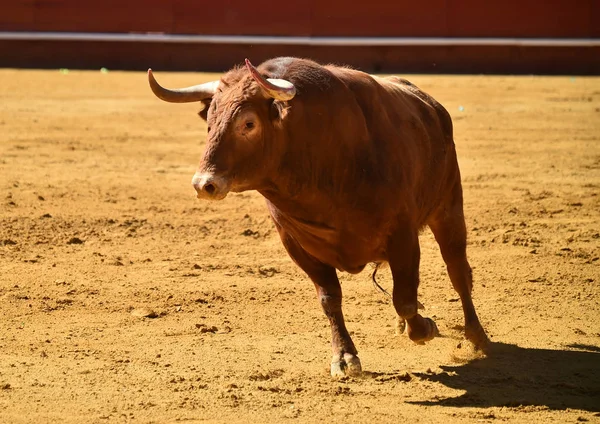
(249, 125)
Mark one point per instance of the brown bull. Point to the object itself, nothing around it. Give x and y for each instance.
(352, 166)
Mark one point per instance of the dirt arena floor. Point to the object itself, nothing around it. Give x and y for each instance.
(123, 298)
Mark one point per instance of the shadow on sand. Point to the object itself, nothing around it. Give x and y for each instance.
(514, 376)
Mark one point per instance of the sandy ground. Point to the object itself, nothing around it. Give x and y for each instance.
(99, 226)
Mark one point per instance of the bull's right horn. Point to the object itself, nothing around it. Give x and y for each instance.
(278, 89)
(194, 93)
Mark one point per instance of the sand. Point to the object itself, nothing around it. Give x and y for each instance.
(123, 298)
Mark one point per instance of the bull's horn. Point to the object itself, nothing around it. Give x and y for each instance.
(279, 89)
(194, 93)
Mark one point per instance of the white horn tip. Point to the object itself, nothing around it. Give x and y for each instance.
(286, 85)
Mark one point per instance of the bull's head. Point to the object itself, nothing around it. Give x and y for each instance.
(244, 112)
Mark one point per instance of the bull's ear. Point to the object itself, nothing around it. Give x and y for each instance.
(279, 110)
(204, 112)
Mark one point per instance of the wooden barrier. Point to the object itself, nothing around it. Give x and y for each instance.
(309, 18)
(401, 18)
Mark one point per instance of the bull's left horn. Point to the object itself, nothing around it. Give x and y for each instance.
(279, 89)
(194, 93)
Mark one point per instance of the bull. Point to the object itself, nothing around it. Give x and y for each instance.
(352, 167)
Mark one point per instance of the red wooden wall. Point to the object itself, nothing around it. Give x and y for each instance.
(400, 18)
(365, 18)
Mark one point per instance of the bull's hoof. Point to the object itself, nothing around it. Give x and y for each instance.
(476, 335)
(400, 326)
(427, 331)
(348, 365)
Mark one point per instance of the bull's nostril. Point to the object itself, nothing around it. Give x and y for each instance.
(210, 188)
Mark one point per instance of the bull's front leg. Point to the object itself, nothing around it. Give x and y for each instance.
(344, 360)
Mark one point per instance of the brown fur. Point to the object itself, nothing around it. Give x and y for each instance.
(352, 168)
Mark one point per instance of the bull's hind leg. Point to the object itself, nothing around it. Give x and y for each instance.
(345, 360)
(448, 227)
(404, 256)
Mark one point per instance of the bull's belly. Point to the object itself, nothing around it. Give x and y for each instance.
(348, 248)
(343, 251)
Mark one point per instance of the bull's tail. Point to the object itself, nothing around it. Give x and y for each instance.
(378, 265)
(375, 283)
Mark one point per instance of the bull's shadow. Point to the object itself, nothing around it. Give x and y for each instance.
(513, 376)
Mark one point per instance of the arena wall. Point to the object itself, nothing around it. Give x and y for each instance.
(504, 34)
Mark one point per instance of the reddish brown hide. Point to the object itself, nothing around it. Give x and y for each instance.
(352, 166)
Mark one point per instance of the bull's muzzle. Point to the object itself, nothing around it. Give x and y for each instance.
(210, 187)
